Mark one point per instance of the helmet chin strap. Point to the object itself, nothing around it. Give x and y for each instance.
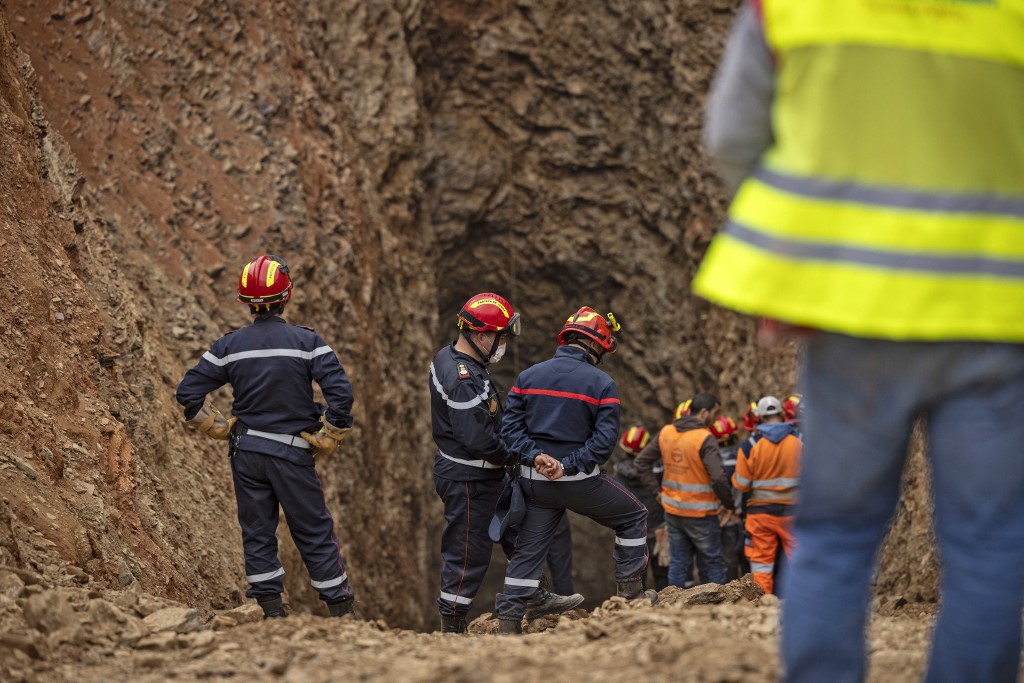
(596, 358)
(485, 357)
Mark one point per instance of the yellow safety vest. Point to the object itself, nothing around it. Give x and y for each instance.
(891, 204)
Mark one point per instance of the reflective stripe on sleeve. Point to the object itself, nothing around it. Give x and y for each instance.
(459, 405)
(256, 578)
(266, 353)
(528, 583)
(457, 599)
(630, 541)
(330, 583)
(780, 481)
(741, 480)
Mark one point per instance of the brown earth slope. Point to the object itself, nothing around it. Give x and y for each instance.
(400, 155)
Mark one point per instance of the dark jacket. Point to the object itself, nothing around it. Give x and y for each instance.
(270, 366)
(710, 456)
(465, 418)
(626, 472)
(565, 407)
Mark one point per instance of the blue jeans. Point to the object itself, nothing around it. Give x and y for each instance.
(862, 398)
(687, 535)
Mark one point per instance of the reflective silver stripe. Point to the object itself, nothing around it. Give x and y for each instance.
(287, 439)
(528, 583)
(330, 583)
(459, 405)
(762, 567)
(765, 494)
(688, 506)
(693, 488)
(730, 462)
(256, 578)
(658, 469)
(472, 463)
(817, 188)
(630, 541)
(457, 599)
(267, 353)
(531, 473)
(780, 481)
(961, 265)
(742, 481)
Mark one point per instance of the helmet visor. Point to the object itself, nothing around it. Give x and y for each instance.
(514, 325)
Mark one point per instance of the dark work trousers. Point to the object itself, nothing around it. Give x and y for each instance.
(264, 482)
(659, 572)
(560, 558)
(465, 544)
(732, 550)
(601, 499)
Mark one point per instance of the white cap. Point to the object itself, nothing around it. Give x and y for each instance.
(769, 405)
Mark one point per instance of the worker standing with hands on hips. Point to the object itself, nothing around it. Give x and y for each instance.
(878, 148)
(277, 433)
(562, 423)
(469, 464)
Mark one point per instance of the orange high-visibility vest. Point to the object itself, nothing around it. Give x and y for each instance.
(686, 487)
(771, 472)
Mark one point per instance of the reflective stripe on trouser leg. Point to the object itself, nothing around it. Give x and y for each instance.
(258, 518)
(312, 528)
(522, 578)
(465, 544)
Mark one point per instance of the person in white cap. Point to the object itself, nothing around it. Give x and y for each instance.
(771, 474)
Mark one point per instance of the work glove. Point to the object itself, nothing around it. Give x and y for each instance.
(325, 441)
(212, 422)
(661, 555)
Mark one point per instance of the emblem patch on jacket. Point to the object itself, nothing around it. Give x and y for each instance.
(463, 371)
(492, 407)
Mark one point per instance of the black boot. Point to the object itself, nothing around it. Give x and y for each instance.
(509, 626)
(544, 602)
(453, 623)
(633, 589)
(272, 606)
(342, 608)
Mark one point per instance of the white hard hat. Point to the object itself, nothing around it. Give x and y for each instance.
(769, 405)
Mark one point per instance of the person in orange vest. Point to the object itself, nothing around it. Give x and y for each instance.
(693, 490)
(772, 476)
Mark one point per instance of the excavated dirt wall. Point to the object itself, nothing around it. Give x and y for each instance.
(401, 155)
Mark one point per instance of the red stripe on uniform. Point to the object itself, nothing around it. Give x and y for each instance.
(565, 394)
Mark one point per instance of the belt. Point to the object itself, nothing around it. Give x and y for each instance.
(286, 439)
(472, 463)
(529, 472)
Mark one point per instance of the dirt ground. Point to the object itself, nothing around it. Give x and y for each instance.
(708, 633)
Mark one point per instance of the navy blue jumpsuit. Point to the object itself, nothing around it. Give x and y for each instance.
(270, 366)
(569, 409)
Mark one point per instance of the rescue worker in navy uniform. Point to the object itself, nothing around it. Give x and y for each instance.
(469, 465)
(277, 431)
(562, 423)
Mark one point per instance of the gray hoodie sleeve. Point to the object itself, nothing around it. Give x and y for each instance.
(737, 124)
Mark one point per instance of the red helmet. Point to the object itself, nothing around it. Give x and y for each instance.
(634, 440)
(791, 406)
(750, 418)
(683, 408)
(723, 427)
(488, 312)
(265, 281)
(592, 324)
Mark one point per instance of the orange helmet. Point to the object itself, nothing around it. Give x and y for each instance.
(634, 440)
(265, 281)
(592, 324)
(683, 408)
(750, 418)
(723, 427)
(488, 312)
(791, 406)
